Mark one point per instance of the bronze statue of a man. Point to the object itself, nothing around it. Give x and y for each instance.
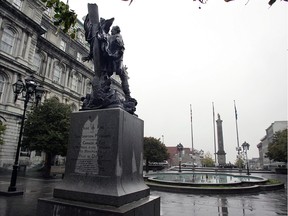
(113, 49)
(106, 51)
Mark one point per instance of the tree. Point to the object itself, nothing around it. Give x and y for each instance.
(239, 162)
(207, 160)
(154, 151)
(47, 129)
(277, 150)
(2, 130)
(64, 18)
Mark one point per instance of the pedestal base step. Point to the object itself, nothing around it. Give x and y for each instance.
(149, 205)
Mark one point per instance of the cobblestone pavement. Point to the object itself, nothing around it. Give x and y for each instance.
(172, 204)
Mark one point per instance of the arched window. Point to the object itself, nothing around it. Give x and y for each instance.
(57, 75)
(2, 86)
(37, 62)
(75, 82)
(8, 40)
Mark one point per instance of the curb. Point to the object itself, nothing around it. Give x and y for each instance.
(212, 190)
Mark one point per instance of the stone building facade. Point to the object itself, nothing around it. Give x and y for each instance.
(186, 156)
(31, 44)
(265, 163)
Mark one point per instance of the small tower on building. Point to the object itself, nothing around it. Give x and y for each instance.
(221, 155)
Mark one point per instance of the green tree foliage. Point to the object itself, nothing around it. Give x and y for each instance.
(2, 130)
(154, 151)
(277, 150)
(64, 18)
(207, 160)
(47, 129)
(239, 162)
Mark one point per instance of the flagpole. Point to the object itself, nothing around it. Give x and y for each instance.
(214, 133)
(238, 148)
(236, 118)
(192, 137)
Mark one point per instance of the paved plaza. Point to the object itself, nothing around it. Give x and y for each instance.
(270, 203)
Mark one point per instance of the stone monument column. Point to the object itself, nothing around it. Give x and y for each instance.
(221, 155)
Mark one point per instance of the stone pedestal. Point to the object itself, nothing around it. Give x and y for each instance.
(148, 206)
(104, 166)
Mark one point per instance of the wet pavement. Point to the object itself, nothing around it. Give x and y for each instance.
(264, 204)
(172, 204)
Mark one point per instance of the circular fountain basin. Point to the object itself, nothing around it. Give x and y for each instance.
(201, 178)
(209, 183)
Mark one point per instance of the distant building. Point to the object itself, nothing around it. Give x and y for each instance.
(264, 161)
(186, 156)
(254, 164)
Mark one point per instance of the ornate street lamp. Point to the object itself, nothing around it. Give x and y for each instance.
(245, 147)
(180, 149)
(30, 90)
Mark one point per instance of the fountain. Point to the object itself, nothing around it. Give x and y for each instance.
(208, 182)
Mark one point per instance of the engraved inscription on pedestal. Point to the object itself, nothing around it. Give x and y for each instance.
(87, 159)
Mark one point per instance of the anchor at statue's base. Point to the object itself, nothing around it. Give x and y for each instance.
(103, 96)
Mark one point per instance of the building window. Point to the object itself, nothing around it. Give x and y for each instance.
(45, 34)
(8, 40)
(2, 85)
(75, 83)
(57, 73)
(79, 56)
(63, 45)
(37, 62)
(17, 3)
(81, 37)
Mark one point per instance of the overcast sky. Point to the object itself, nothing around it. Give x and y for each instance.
(178, 54)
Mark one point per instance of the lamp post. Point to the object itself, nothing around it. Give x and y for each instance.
(180, 149)
(30, 90)
(245, 147)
